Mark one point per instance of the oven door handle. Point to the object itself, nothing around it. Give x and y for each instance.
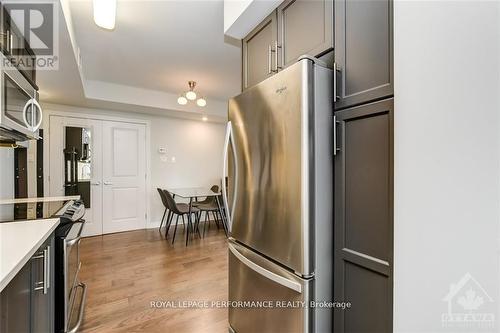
(78, 323)
(71, 242)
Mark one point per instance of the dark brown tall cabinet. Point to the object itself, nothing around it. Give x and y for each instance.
(363, 167)
(363, 51)
(295, 28)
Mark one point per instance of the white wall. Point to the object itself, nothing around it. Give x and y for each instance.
(447, 152)
(195, 145)
(241, 16)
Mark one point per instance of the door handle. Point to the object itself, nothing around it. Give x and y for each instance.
(264, 272)
(108, 183)
(97, 183)
(227, 140)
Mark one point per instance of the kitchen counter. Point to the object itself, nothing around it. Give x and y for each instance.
(18, 243)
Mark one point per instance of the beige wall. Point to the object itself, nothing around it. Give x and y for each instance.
(193, 157)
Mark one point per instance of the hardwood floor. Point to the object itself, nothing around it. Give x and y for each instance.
(125, 272)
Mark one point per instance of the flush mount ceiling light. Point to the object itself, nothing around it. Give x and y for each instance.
(105, 13)
(191, 95)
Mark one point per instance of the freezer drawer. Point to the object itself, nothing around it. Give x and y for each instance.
(254, 278)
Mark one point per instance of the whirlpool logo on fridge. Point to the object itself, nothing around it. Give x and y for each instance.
(34, 23)
(469, 305)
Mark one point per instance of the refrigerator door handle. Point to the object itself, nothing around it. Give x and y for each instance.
(266, 273)
(228, 140)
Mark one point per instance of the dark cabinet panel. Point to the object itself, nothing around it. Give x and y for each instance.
(364, 217)
(15, 299)
(14, 46)
(363, 51)
(27, 302)
(42, 301)
(304, 27)
(257, 57)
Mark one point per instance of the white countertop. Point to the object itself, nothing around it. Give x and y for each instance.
(38, 199)
(18, 242)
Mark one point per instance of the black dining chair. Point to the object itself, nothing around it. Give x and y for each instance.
(209, 205)
(179, 209)
(165, 204)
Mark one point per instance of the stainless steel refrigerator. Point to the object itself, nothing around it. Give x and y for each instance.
(278, 160)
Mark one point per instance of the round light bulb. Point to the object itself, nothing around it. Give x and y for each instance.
(201, 102)
(182, 100)
(204, 118)
(191, 95)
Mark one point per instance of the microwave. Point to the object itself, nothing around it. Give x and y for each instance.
(21, 114)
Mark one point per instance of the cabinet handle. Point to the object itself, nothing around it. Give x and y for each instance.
(47, 268)
(269, 59)
(336, 74)
(7, 40)
(11, 41)
(46, 273)
(276, 48)
(335, 123)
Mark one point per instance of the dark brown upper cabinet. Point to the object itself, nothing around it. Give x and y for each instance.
(296, 28)
(304, 27)
(15, 47)
(257, 55)
(363, 51)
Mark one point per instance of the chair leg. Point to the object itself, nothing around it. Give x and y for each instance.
(175, 229)
(197, 224)
(205, 224)
(163, 217)
(170, 217)
(188, 227)
(216, 219)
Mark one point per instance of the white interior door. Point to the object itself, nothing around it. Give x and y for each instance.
(93, 214)
(124, 176)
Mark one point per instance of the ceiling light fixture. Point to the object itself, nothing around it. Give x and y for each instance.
(182, 100)
(105, 13)
(201, 102)
(191, 95)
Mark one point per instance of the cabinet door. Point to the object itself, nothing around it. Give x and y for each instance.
(42, 303)
(304, 27)
(363, 51)
(257, 56)
(15, 303)
(363, 218)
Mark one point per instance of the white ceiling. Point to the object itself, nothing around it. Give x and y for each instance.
(156, 47)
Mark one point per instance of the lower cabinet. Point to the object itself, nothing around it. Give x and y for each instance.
(27, 303)
(363, 202)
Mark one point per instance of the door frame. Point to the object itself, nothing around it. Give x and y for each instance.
(48, 112)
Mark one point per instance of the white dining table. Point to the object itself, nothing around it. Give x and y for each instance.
(194, 193)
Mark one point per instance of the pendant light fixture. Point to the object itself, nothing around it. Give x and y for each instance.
(191, 95)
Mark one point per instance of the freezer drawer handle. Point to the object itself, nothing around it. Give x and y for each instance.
(264, 272)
